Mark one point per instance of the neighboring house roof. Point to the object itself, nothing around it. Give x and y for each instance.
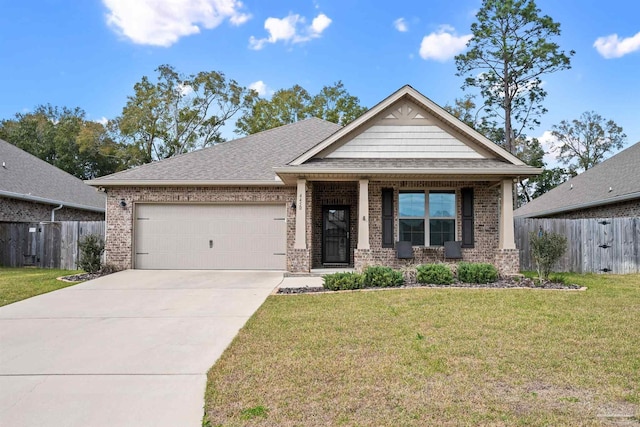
(26, 177)
(249, 160)
(617, 179)
(406, 134)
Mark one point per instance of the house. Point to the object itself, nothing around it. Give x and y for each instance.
(610, 189)
(313, 194)
(32, 190)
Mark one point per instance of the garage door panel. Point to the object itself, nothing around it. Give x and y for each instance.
(176, 236)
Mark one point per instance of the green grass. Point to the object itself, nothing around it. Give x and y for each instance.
(420, 357)
(17, 284)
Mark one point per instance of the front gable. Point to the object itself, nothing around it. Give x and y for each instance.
(407, 125)
(405, 131)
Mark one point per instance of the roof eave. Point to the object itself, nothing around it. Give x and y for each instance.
(178, 183)
(290, 174)
(37, 199)
(525, 171)
(592, 204)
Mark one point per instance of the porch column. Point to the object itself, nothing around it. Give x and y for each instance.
(363, 215)
(301, 222)
(507, 238)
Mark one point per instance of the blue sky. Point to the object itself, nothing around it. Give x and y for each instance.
(90, 53)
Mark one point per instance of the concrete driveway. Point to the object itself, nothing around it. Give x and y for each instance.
(128, 349)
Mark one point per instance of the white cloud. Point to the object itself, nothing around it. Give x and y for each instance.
(163, 22)
(291, 29)
(185, 90)
(320, 23)
(401, 25)
(548, 142)
(102, 120)
(443, 44)
(613, 47)
(259, 87)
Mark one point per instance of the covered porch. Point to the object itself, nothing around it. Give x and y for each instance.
(353, 222)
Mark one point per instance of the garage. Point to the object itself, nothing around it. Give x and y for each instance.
(210, 236)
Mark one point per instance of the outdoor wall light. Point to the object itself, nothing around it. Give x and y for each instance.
(123, 204)
(293, 205)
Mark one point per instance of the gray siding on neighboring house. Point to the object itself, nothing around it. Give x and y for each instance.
(14, 210)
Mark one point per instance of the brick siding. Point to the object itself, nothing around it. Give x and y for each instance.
(630, 208)
(14, 210)
(486, 211)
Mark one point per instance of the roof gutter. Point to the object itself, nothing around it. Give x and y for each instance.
(523, 171)
(168, 183)
(30, 198)
(592, 204)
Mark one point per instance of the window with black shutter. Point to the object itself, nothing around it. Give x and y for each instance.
(387, 218)
(467, 217)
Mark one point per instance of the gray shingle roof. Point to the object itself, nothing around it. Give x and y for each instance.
(23, 175)
(616, 179)
(251, 158)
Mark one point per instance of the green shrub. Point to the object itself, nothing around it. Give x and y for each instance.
(382, 277)
(342, 281)
(435, 274)
(546, 250)
(477, 272)
(91, 249)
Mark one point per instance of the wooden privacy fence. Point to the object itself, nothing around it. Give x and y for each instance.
(603, 245)
(45, 244)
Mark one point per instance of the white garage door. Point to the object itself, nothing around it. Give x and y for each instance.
(235, 237)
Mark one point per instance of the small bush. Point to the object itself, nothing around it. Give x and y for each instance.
(477, 272)
(91, 249)
(342, 281)
(435, 274)
(546, 250)
(108, 269)
(382, 277)
(409, 273)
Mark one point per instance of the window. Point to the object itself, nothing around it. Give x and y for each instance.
(411, 212)
(421, 216)
(442, 217)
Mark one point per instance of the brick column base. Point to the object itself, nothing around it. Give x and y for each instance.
(507, 261)
(299, 261)
(362, 258)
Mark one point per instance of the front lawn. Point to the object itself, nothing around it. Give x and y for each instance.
(416, 357)
(21, 283)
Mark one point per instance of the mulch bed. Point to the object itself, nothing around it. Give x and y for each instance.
(504, 283)
(82, 277)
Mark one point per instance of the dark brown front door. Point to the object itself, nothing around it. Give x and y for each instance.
(335, 235)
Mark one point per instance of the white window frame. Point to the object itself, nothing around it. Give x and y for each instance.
(426, 217)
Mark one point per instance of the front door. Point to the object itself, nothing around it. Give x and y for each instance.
(335, 235)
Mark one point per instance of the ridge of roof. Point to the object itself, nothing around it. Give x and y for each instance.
(613, 180)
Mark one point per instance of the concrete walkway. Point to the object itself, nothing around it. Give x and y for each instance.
(128, 349)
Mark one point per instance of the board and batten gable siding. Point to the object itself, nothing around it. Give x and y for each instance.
(405, 131)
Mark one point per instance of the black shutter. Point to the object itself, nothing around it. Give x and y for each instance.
(467, 217)
(387, 217)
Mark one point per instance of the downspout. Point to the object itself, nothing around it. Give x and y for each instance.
(53, 212)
